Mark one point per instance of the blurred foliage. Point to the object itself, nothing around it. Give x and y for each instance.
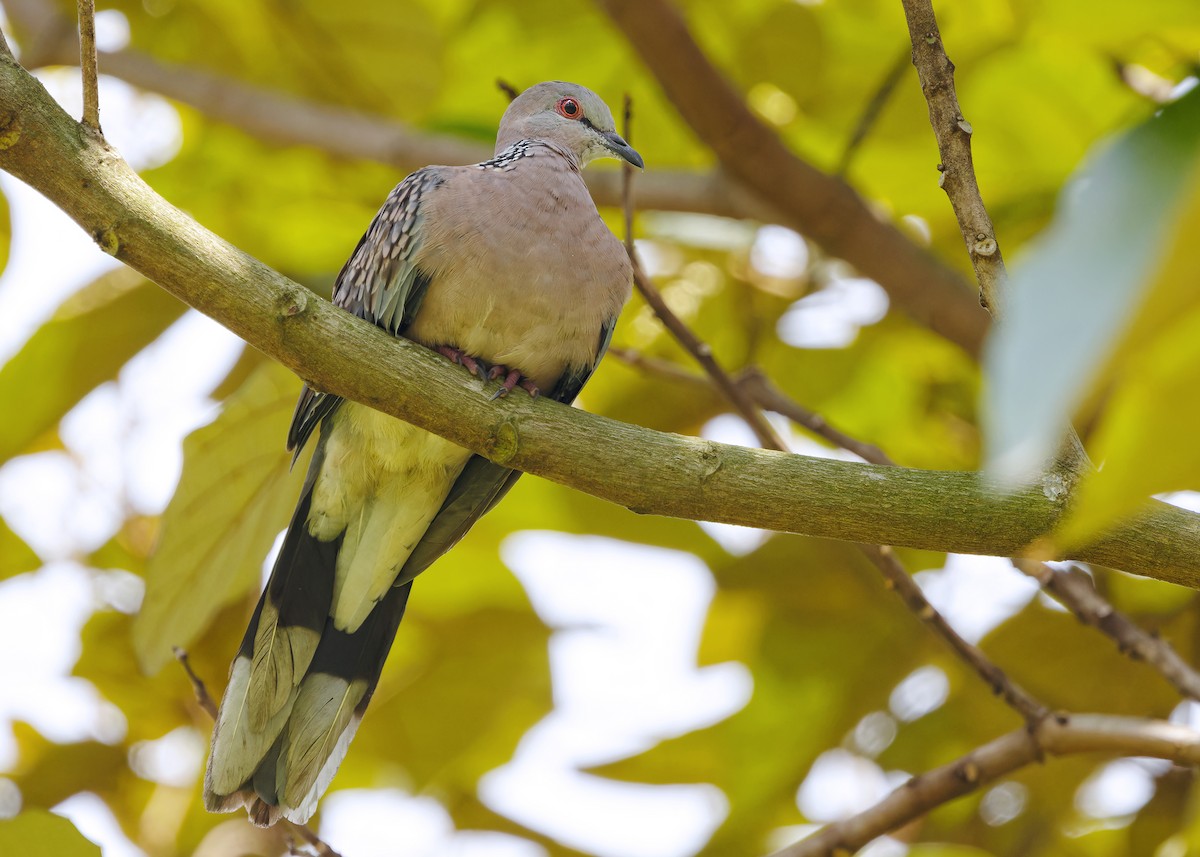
(5, 232)
(41, 834)
(85, 343)
(826, 644)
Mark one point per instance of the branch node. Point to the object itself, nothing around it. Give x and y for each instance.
(106, 239)
(985, 247)
(506, 442)
(291, 303)
(10, 130)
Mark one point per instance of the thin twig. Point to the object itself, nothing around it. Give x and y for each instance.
(768, 396)
(898, 579)
(872, 111)
(88, 65)
(507, 88)
(205, 700)
(1076, 592)
(698, 348)
(765, 394)
(1056, 736)
(957, 167)
(198, 688)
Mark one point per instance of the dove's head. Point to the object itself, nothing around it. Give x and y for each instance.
(569, 116)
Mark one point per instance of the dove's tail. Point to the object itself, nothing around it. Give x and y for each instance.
(298, 686)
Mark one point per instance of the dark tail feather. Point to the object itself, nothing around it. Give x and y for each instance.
(282, 768)
(279, 643)
(329, 706)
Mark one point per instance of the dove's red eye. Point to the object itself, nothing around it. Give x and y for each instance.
(569, 108)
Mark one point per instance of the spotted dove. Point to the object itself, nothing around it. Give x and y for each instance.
(503, 266)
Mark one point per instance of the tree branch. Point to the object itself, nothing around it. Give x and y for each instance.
(644, 470)
(899, 580)
(87, 65)
(700, 350)
(1076, 592)
(954, 143)
(823, 208)
(1056, 736)
(953, 133)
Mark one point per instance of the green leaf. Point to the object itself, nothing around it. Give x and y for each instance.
(16, 557)
(234, 497)
(5, 232)
(1145, 441)
(87, 341)
(36, 833)
(1074, 295)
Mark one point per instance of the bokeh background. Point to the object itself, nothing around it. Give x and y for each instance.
(573, 678)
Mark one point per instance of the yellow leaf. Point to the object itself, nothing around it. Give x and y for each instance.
(85, 343)
(234, 497)
(36, 833)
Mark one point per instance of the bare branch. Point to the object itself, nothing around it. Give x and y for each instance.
(507, 88)
(87, 65)
(198, 688)
(700, 350)
(1076, 592)
(767, 395)
(898, 579)
(808, 200)
(1056, 736)
(953, 133)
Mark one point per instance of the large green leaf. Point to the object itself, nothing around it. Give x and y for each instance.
(37, 833)
(1074, 296)
(85, 343)
(1144, 442)
(234, 497)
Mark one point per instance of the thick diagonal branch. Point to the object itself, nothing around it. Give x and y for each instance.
(638, 468)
